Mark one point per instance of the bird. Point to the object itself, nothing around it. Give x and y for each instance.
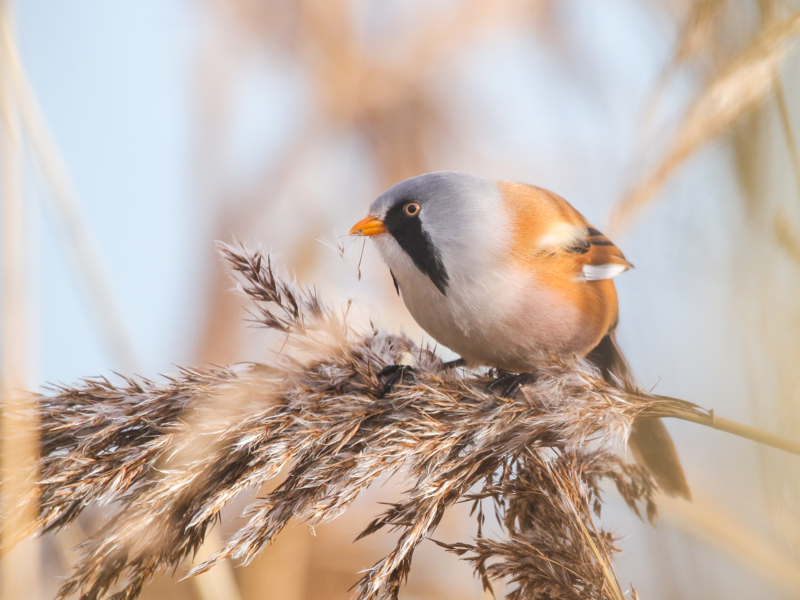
(504, 273)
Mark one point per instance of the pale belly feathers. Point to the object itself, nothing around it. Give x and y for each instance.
(502, 318)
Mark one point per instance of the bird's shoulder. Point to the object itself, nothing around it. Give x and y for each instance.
(549, 234)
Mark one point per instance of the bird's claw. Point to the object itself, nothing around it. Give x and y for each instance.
(510, 383)
(392, 374)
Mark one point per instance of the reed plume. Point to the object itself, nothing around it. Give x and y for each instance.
(172, 454)
(741, 86)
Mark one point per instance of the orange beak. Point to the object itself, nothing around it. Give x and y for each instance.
(368, 226)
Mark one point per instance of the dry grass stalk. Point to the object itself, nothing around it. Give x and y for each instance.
(785, 234)
(696, 36)
(18, 445)
(78, 240)
(744, 84)
(698, 31)
(173, 454)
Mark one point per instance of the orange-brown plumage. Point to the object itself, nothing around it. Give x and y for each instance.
(553, 242)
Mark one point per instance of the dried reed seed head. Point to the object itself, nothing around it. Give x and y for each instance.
(173, 454)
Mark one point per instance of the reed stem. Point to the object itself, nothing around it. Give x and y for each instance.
(739, 429)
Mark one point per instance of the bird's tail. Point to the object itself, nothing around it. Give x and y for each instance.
(650, 441)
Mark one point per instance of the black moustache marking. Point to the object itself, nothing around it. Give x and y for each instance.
(417, 243)
(394, 280)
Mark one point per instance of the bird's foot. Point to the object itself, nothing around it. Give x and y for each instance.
(508, 384)
(393, 374)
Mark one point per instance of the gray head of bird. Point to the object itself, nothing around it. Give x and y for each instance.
(443, 226)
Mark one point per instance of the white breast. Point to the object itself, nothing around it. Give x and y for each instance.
(492, 313)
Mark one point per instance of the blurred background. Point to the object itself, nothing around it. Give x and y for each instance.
(137, 132)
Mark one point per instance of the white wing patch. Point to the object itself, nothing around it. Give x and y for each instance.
(607, 271)
(562, 235)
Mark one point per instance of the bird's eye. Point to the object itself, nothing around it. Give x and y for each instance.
(411, 209)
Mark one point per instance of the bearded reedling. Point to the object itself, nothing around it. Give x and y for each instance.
(506, 273)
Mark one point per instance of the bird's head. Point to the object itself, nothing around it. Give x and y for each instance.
(440, 221)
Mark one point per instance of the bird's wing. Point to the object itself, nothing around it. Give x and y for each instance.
(593, 253)
(601, 259)
(546, 225)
